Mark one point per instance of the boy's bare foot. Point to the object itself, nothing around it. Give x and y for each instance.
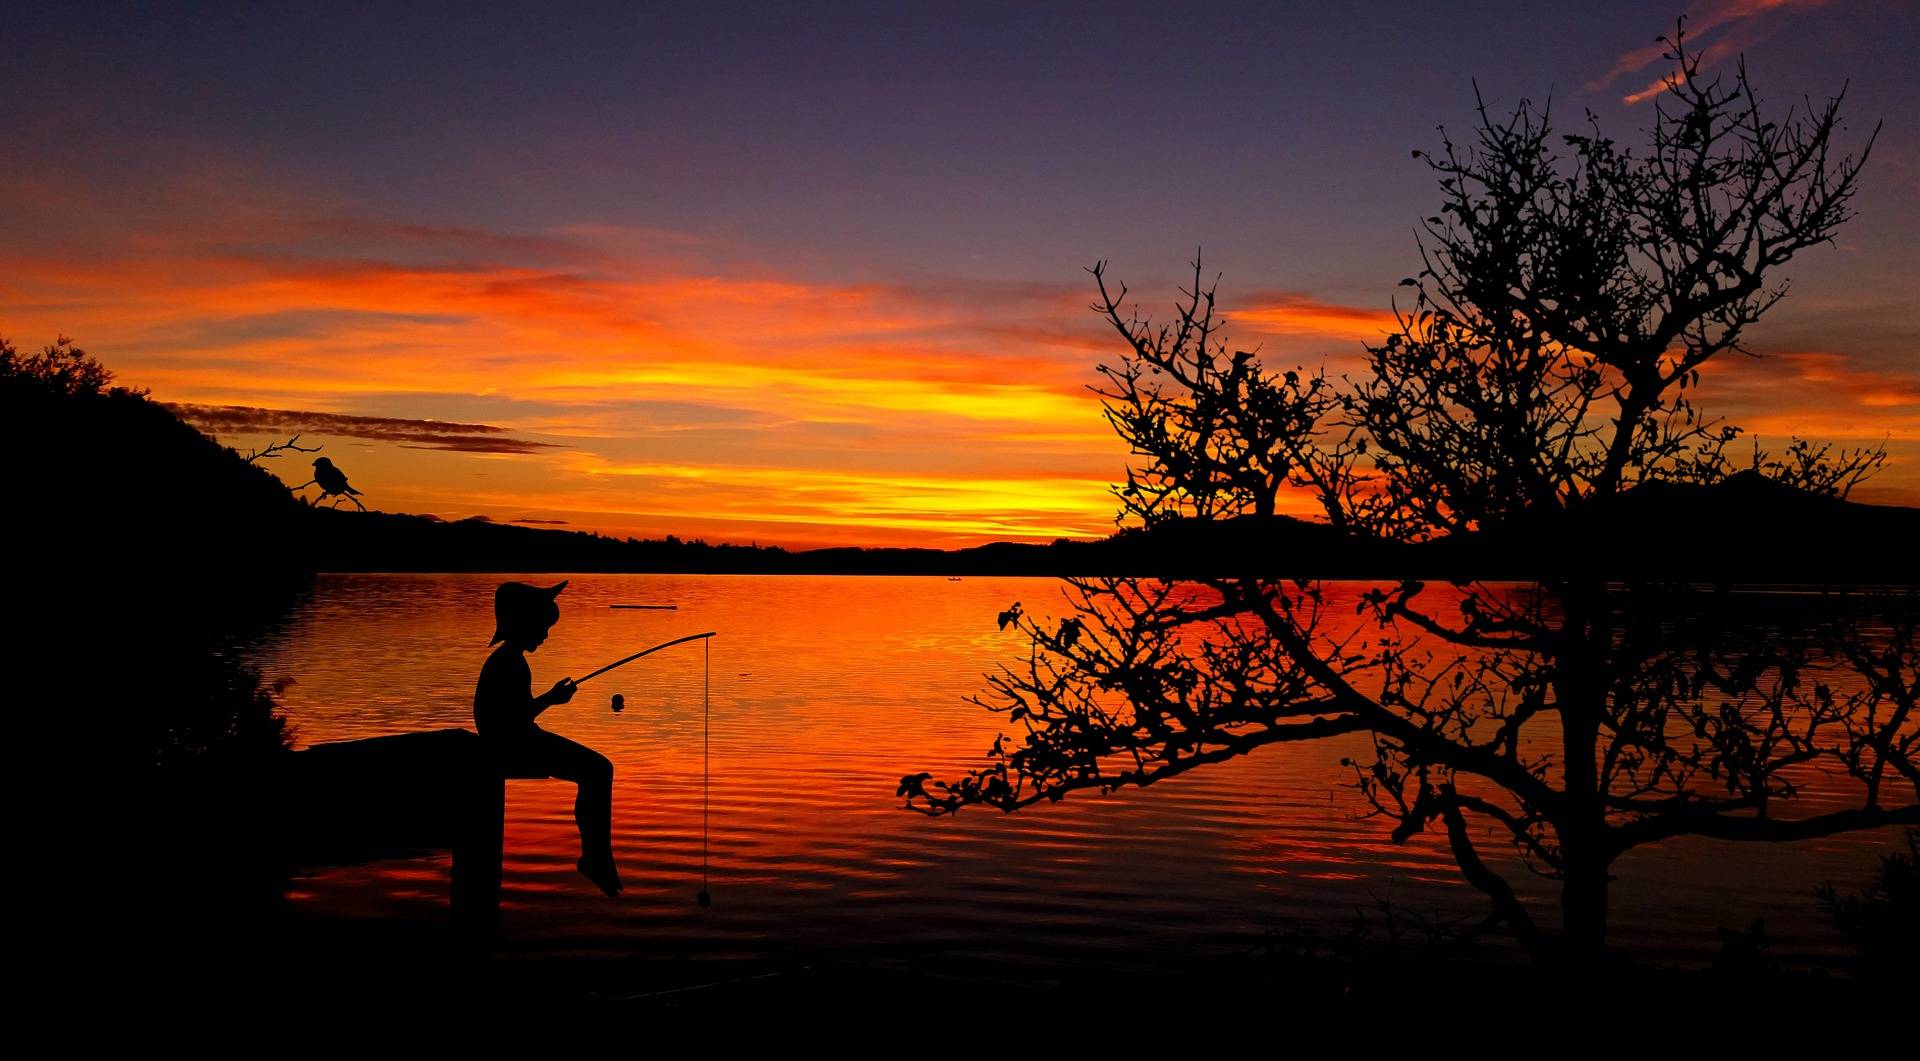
(601, 872)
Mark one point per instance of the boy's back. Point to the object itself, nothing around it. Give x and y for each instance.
(503, 699)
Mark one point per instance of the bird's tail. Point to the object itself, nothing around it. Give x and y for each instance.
(351, 490)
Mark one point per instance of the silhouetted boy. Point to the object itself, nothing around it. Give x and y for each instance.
(504, 708)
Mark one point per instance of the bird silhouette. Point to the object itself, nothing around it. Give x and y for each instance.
(333, 483)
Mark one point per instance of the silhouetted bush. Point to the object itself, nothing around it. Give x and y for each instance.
(149, 548)
(109, 469)
(143, 553)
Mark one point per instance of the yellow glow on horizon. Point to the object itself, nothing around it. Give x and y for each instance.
(1017, 402)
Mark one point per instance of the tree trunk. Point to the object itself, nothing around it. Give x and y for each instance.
(1581, 689)
(1583, 910)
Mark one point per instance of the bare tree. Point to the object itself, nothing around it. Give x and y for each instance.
(1570, 293)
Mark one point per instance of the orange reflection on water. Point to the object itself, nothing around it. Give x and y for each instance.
(824, 692)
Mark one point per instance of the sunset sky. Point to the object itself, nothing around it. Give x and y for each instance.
(816, 274)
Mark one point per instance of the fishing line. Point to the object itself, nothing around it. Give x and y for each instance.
(704, 898)
(706, 772)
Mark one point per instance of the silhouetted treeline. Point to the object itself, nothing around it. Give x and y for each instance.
(1764, 531)
(350, 541)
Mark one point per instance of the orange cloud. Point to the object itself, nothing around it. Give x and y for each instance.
(1291, 314)
(1823, 396)
(1816, 384)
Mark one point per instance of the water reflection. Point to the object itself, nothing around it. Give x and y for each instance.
(824, 691)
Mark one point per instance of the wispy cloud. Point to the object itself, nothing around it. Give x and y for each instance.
(415, 434)
(1815, 393)
(1717, 29)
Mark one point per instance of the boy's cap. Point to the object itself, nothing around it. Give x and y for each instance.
(518, 604)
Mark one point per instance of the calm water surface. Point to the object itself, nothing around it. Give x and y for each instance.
(825, 690)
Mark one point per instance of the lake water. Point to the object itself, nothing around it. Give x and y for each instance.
(825, 691)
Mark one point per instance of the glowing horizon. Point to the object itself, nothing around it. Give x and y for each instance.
(735, 408)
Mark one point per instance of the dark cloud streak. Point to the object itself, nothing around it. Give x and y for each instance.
(410, 434)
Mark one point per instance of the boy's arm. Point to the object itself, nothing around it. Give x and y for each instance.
(561, 692)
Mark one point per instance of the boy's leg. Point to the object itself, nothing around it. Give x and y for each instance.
(592, 804)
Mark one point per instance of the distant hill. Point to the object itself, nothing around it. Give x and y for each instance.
(342, 540)
(1746, 529)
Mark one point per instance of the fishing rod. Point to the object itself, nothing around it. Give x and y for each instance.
(704, 898)
(644, 652)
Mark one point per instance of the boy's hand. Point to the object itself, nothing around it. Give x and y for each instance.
(561, 692)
